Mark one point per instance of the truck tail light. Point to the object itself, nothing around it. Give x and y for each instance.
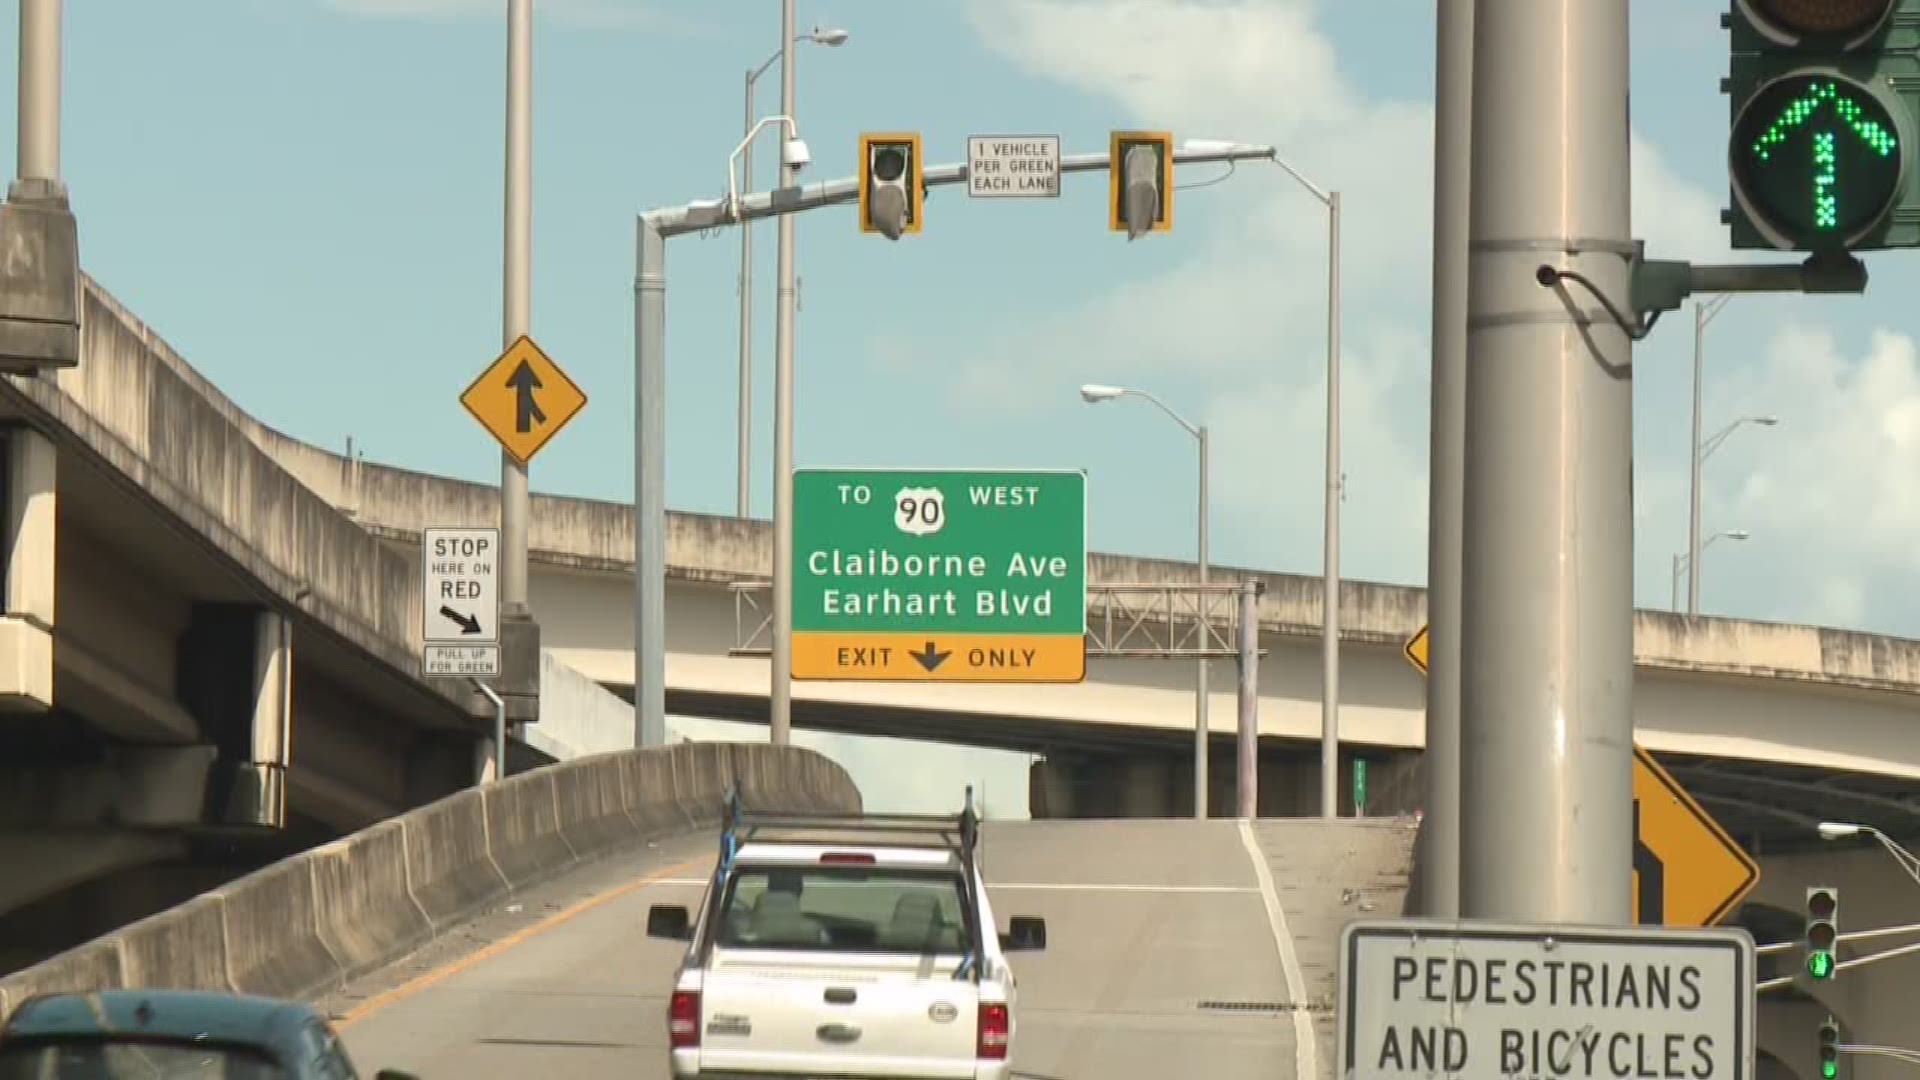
(993, 1030)
(683, 1020)
(848, 858)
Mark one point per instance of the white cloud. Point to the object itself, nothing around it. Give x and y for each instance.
(1835, 509)
(588, 14)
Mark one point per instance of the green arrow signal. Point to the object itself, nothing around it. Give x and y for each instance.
(1796, 114)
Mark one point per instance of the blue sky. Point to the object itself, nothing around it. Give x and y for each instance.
(304, 198)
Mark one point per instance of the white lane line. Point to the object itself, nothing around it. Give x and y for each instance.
(1305, 1053)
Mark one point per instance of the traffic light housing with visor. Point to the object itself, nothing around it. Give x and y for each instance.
(1829, 1050)
(1823, 96)
(1823, 930)
(1140, 183)
(892, 189)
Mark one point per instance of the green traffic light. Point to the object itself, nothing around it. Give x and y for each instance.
(1829, 1069)
(1820, 965)
(1817, 156)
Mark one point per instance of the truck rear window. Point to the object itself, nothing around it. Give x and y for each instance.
(843, 908)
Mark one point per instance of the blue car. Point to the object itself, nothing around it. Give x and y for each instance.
(171, 1034)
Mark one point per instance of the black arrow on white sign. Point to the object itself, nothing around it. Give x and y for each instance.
(469, 624)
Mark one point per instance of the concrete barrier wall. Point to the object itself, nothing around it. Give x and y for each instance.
(577, 715)
(309, 923)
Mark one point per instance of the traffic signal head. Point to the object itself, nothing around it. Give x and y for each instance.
(1821, 147)
(1829, 1050)
(892, 189)
(1140, 183)
(1823, 930)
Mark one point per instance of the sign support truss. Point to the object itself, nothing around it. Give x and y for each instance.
(1125, 621)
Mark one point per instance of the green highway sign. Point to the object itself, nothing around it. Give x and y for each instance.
(973, 575)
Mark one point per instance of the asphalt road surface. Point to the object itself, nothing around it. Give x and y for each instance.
(1175, 948)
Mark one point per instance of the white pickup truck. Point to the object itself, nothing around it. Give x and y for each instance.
(844, 947)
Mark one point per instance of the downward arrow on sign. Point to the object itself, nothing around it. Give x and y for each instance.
(928, 658)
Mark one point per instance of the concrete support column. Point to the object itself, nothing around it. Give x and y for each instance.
(29, 473)
(234, 675)
(1050, 788)
(260, 788)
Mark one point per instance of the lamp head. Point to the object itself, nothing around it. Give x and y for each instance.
(1094, 393)
(1737, 534)
(1766, 421)
(833, 38)
(1839, 830)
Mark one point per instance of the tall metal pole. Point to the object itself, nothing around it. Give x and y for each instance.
(743, 498)
(517, 299)
(1693, 455)
(1201, 728)
(649, 484)
(1330, 591)
(1452, 158)
(780, 694)
(1248, 758)
(1546, 691)
(39, 134)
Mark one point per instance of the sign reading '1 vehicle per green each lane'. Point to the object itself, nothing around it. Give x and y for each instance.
(973, 575)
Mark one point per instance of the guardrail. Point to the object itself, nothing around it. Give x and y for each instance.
(312, 922)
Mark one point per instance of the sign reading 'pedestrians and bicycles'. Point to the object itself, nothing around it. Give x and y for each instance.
(1421, 998)
(460, 579)
(940, 575)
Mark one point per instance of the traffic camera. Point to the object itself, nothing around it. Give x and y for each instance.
(1140, 183)
(892, 189)
(1823, 930)
(1823, 98)
(1829, 1049)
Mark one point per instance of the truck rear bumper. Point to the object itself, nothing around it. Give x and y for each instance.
(686, 1066)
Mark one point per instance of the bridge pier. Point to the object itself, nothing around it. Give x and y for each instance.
(235, 677)
(29, 471)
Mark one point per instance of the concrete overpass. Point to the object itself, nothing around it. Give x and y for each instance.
(1774, 726)
(203, 664)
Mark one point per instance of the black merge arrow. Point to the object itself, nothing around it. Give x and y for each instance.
(526, 413)
(928, 658)
(469, 624)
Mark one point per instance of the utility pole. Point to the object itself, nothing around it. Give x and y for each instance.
(1203, 685)
(1452, 160)
(743, 502)
(1546, 689)
(519, 637)
(780, 694)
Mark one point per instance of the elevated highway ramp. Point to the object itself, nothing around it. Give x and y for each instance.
(1175, 948)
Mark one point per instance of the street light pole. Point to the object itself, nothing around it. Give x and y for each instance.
(1691, 561)
(1330, 517)
(780, 694)
(1703, 313)
(1094, 394)
(1202, 726)
(743, 500)
(1330, 586)
(744, 487)
(516, 317)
